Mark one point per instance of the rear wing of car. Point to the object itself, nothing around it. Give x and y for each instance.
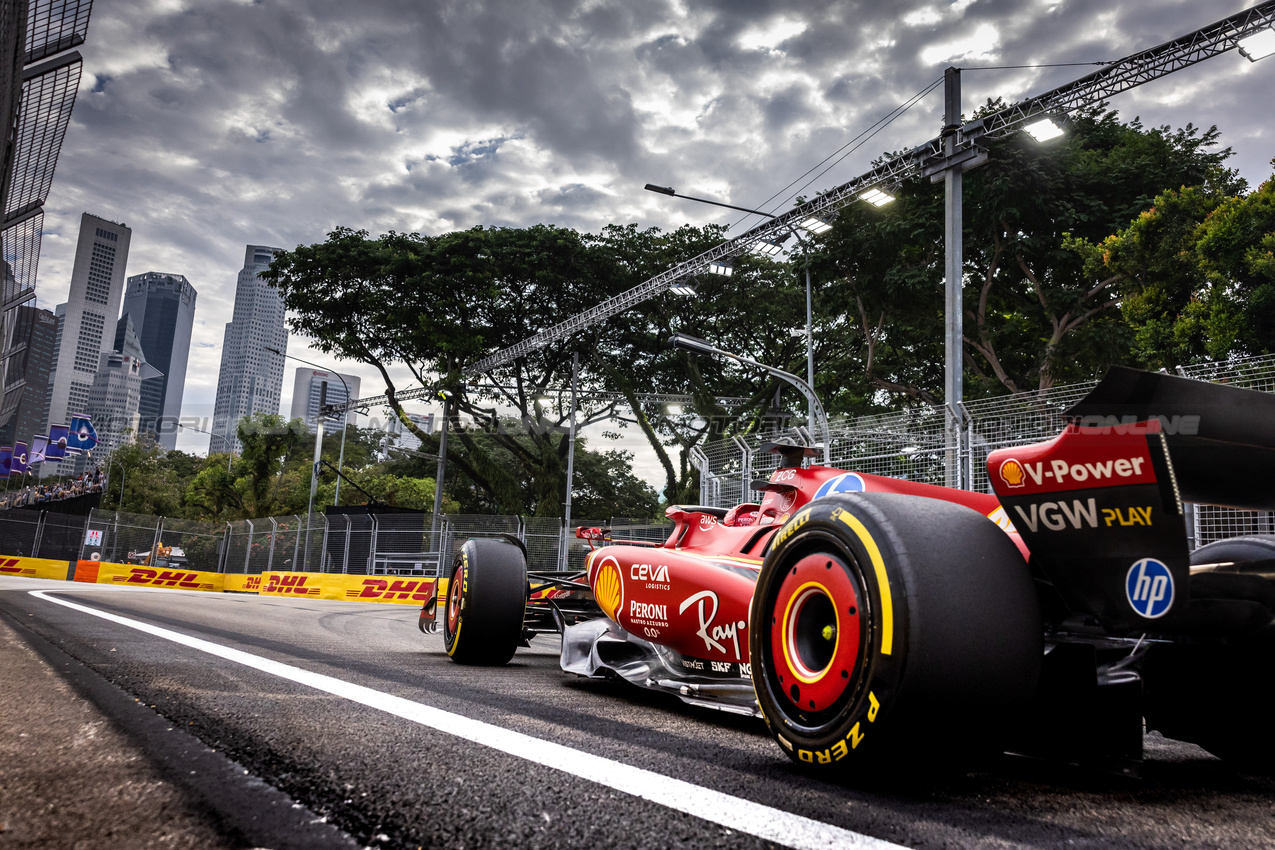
(1100, 507)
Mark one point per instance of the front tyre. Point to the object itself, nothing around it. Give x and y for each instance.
(486, 602)
(887, 625)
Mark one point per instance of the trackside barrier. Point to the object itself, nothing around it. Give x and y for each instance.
(34, 568)
(104, 572)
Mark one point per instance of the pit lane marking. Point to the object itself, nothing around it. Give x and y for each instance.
(770, 824)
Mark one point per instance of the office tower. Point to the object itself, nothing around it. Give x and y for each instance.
(402, 437)
(27, 370)
(116, 393)
(162, 307)
(86, 329)
(251, 378)
(313, 387)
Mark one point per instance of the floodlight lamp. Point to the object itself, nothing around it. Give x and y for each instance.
(876, 197)
(1259, 45)
(682, 287)
(768, 247)
(544, 402)
(721, 267)
(815, 225)
(675, 410)
(1044, 130)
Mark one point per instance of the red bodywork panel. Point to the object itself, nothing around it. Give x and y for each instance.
(692, 594)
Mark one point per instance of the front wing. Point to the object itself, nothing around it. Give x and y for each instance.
(600, 649)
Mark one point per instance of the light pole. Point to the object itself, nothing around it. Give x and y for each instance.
(318, 439)
(813, 225)
(699, 346)
(230, 450)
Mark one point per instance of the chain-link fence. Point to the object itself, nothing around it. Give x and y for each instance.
(913, 445)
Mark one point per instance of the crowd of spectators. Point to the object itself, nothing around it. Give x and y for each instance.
(32, 494)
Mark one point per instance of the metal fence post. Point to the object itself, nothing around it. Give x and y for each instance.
(39, 532)
(226, 537)
(297, 546)
(274, 528)
(159, 530)
(345, 556)
(247, 553)
(371, 548)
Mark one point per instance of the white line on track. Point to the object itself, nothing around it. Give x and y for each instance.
(725, 810)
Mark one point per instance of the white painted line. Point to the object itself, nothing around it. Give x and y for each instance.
(725, 810)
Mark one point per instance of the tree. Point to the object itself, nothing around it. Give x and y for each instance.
(260, 483)
(1037, 309)
(1201, 273)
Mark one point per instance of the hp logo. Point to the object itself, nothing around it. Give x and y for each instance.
(1149, 586)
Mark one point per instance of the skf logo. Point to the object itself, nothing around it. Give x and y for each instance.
(375, 588)
(1012, 473)
(168, 578)
(1149, 586)
(608, 588)
(291, 585)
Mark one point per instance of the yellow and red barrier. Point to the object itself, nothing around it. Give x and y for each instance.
(33, 568)
(132, 575)
(397, 590)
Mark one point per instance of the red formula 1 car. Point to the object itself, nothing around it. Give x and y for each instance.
(866, 617)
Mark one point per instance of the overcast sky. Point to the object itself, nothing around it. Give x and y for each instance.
(211, 124)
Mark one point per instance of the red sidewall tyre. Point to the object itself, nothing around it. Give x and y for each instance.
(486, 603)
(885, 624)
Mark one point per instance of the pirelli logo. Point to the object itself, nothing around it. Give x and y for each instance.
(291, 585)
(385, 590)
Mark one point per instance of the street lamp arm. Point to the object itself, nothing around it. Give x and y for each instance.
(665, 190)
(699, 346)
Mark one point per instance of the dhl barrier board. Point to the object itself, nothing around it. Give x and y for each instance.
(34, 568)
(403, 591)
(238, 583)
(398, 590)
(131, 575)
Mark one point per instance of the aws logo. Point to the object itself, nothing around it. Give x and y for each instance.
(608, 587)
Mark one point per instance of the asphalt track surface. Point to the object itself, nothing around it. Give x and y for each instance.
(354, 714)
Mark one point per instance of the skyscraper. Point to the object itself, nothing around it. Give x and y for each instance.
(162, 307)
(27, 370)
(116, 393)
(309, 392)
(87, 328)
(251, 378)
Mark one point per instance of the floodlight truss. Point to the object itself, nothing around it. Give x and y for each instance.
(1127, 73)
(599, 396)
(1120, 76)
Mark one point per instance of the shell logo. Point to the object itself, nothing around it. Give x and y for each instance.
(1012, 472)
(608, 588)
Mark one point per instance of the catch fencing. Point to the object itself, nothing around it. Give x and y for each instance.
(914, 445)
(406, 543)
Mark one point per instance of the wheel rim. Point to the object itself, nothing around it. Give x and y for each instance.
(453, 600)
(815, 633)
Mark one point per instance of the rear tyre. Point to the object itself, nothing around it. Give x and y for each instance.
(1215, 693)
(886, 625)
(486, 602)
